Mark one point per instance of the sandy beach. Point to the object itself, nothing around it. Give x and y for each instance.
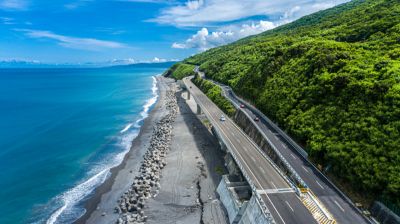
(187, 183)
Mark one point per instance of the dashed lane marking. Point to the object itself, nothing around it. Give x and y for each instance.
(341, 208)
(319, 184)
(294, 157)
(246, 165)
(305, 169)
(287, 203)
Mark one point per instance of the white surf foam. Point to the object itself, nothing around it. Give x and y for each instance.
(146, 107)
(74, 196)
(151, 101)
(126, 128)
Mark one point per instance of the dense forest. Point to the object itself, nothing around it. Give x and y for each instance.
(331, 80)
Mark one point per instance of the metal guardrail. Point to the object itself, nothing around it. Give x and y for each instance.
(281, 157)
(305, 156)
(288, 166)
(298, 148)
(264, 208)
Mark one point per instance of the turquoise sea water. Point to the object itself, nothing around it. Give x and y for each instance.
(61, 130)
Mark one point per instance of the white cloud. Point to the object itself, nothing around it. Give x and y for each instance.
(178, 46)
(205, 13)
(129, 61)
(158, 60)
(77, 4)
(72, 42)
(149, 1)
(194, 5)
(14, 4)
(204, 39)
(7, 20)
(217, 13)
(126, 61)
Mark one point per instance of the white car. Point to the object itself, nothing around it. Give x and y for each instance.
(222, 118)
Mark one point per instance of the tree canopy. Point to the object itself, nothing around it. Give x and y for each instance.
(332, 80)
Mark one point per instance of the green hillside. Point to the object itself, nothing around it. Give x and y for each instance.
(332, 80)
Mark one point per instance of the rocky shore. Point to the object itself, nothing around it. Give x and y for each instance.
(147, 184)
(170, 174)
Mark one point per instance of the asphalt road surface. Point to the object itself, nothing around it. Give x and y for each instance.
(284, 205)
(343, 211)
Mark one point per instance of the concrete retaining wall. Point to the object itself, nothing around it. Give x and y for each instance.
(233, 205)
(383, 214)
(253, 213)
(250, 129)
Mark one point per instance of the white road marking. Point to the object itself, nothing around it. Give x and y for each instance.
(289, 206)
(246, 165)
(284, 146)
(252, 158)
(305, 169)
(262, 170)
(341, 208)
(273, 184)
(276, 191)
(276, 137)
(319, 184)
(294, 157)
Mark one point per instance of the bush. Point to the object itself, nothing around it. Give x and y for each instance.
(214, 92)
(180, 71)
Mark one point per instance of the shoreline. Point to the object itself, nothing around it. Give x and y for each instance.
(170, 173)
(134, 155)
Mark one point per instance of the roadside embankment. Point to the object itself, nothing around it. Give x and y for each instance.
(171, 173)
(192, 174)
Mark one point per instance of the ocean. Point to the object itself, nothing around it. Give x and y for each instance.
(61, 130)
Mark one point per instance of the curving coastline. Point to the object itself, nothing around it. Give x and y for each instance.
(100, 206)
(169, 175)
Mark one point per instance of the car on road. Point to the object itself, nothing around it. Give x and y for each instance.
(241, 105)
(222, 118)
(256, 119)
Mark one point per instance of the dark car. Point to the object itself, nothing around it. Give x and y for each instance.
(256, 119)
(241, 105)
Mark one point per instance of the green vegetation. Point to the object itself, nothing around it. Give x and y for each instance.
(214, 92)
(332, 80)
(180, 70)
(219, 170)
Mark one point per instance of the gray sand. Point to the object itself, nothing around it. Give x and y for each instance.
(188, 181)
(106, 196)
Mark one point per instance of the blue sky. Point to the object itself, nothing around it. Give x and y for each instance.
(123, 31)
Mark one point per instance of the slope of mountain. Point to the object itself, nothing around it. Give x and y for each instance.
(332, 80)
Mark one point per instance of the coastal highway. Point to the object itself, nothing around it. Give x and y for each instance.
(280, 199)
(337, 204)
